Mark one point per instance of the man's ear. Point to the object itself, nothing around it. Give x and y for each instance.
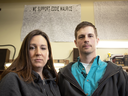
(75, 43)
(98, 40)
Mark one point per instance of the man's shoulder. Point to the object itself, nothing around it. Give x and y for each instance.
(111, 67)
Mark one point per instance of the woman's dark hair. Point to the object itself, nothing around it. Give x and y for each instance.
(22, 64)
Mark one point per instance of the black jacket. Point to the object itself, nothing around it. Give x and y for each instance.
(12, 85)
(113, 83)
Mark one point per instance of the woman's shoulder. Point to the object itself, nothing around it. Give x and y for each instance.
(10, 77)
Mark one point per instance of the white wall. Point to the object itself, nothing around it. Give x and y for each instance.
(11, 16)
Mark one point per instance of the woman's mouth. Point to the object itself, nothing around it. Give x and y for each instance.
(38, 60)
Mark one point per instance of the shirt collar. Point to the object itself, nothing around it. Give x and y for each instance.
(96, 61)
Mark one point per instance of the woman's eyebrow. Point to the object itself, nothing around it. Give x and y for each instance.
(32, 44)
(43, 45)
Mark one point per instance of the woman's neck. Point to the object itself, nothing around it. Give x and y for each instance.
(40, 72)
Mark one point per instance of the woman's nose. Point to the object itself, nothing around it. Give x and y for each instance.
(38, 51)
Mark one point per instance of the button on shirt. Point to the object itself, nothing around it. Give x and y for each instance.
(87, 67)
(89, 82)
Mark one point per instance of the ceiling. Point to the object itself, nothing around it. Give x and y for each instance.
(16, 1)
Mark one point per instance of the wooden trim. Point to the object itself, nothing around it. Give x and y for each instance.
(125, 68)
(61, 61)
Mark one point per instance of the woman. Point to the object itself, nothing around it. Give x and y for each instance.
(32, 73)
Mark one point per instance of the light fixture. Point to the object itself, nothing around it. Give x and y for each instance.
(112, 44)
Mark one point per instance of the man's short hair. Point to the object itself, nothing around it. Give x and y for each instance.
(83, 25)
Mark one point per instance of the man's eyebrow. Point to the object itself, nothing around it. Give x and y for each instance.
(90, 34)
(80, 34)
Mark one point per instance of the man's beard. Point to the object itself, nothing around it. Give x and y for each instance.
(85, 52)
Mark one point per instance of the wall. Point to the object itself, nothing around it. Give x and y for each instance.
(11, 16)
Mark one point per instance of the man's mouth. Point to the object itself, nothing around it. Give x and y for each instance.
(86, 46)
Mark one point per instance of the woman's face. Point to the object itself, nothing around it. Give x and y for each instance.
(39, 52)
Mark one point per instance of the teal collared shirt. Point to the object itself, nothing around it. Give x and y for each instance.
(89, 82)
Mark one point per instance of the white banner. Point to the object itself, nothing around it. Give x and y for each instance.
(111, 19)
(57, 21)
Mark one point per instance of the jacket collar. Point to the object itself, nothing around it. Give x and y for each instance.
(110, 70)
(37, 77)
(66, 72)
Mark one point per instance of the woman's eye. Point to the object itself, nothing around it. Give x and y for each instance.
(43, 48)
(31, 48)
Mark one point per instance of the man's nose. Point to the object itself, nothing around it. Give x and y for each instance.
(86, 39)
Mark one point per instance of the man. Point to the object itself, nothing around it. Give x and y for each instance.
(90, 76)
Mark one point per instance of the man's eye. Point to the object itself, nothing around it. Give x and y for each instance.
(81, 37)
(90, 35)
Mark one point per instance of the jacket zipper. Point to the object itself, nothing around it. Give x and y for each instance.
(103, 82)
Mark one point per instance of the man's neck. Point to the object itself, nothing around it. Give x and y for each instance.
(87, 58)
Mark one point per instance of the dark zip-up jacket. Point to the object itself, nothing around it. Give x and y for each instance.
(12, 85)
(113, 83)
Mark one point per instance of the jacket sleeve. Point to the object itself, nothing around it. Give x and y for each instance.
(9, 85)
(126, 75)
(58, 81)
(61, 84)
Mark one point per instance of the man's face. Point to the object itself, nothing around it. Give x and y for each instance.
(86, 40)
